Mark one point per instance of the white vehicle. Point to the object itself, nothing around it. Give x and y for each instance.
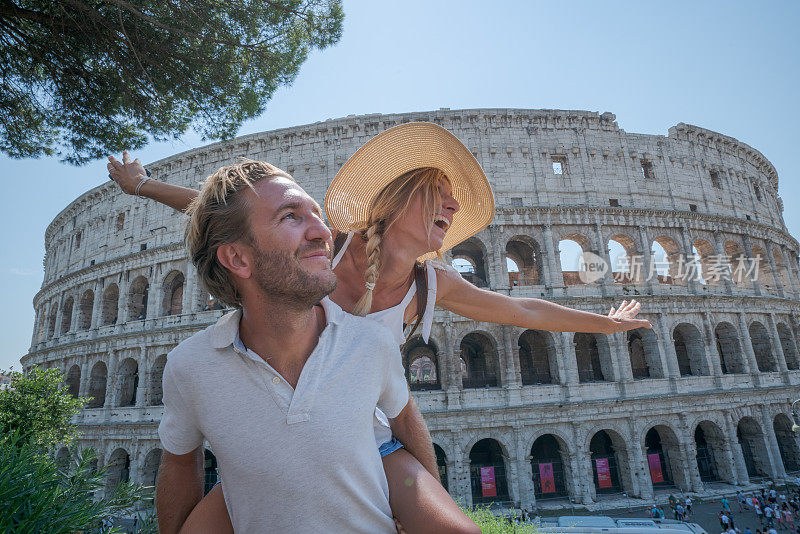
(591, 524)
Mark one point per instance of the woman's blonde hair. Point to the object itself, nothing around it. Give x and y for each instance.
(219, 215)
(389, 204)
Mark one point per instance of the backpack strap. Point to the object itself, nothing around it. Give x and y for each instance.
(421, 281)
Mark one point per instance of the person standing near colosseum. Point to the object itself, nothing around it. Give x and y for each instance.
(409, 194)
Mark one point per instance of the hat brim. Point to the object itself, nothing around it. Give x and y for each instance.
(404, 148)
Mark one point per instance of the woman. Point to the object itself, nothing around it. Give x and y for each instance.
(409, 194)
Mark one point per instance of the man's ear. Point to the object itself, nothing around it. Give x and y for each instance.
(236, 258)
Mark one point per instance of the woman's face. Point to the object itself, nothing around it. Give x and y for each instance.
(412, 225)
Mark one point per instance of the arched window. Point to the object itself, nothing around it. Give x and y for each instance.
(97, 385)
(172, 303)
(137, 299)
(110, 305)
(87, 303)
(128, 382)
(73, 381)
(478, 351)
(66, 315)
(537, 356)
(488, 472)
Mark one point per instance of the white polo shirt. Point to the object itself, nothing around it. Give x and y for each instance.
(301, 460)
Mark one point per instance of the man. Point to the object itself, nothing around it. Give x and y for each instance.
(284, 388)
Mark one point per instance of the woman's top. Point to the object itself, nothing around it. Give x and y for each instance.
(393, 319)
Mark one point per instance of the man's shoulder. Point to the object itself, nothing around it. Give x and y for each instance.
(191, 350)
(364, 330)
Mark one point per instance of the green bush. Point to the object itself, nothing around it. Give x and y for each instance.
(492, 524)
(36, 495)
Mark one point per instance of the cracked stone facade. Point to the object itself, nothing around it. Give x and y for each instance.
(702, 399)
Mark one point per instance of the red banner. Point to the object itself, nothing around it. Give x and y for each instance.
(603, 473)
(655, 468)
(546, 479)
(488, 487)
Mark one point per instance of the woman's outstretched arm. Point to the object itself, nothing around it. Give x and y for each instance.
(129, 174)
(459, 296)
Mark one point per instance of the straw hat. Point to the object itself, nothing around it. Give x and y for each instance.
(404, 148)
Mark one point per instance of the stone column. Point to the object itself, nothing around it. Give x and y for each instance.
(455, 383)
(689, 452)
(190, 289)
(750, 355)
(97, 305)
(59, 315)
(554, 275)
(112, 395)
(691, 281)
(619, 352)
(512, 473)
(602, 251)
(736, 450)
(144, 378)
(756, 285)
(776, 468)
(776, 345)
(711, 348)
(122, 303)
(83, 389)
(571, 378)
(582, 461)
(154, 300)
(640, 474)
(790, 274)
(774, 268)
(462, 489)
(668, 348)
(527, 495)
(647, 257)
(719, 249)
(512, 379)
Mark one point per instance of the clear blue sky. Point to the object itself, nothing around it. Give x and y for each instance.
(727, 66)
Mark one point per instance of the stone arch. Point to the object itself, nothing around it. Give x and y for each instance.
(738, 263)
(550, 466)
(789, 346)
(730, 352)
(787, 442)
(669, 249)
(526, 254)
(690, 350)
(593, 357)
(421, 362)
(487, 466)
(110, 305)
(156, 377)
(210, 470)
(610, 464)
(118, 470)
(73, 380)
(663, 457)
(571, 271)
(66, 315)
(172, 302)
(644, 354)
(97, 385)
(150, 467)
(753, 446)
(137, 299)
(710, 446)
(762, 348)
(765, 275)
(537, 358)
(473, 251)
(128, 380)
(479, 353)
(85, 310)
(441, 464)
(621, 266)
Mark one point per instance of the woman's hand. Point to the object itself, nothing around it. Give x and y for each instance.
(127, 174)
(624, 318)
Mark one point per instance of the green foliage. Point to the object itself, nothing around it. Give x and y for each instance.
(492, 524)
(36, 495)
(84, 78)
(38, 407)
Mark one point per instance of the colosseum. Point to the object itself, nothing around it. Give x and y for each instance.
(699, 403)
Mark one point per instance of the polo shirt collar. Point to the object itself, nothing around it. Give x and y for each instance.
(226, 330)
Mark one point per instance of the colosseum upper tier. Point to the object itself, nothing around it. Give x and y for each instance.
(700, 401)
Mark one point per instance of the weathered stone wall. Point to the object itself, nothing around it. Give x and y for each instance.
(722, 354)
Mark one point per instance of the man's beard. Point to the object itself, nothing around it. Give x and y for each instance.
(281, 277)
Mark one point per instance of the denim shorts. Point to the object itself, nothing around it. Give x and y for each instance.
(389, 447)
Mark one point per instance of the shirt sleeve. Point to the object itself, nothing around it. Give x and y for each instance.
(178, 430)
(394, 394)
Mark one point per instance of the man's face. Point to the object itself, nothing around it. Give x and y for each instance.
(291, 245)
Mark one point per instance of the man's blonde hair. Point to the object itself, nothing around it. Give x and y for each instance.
(220, 214)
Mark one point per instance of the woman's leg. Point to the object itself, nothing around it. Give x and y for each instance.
(419, 501)
(210, 516)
